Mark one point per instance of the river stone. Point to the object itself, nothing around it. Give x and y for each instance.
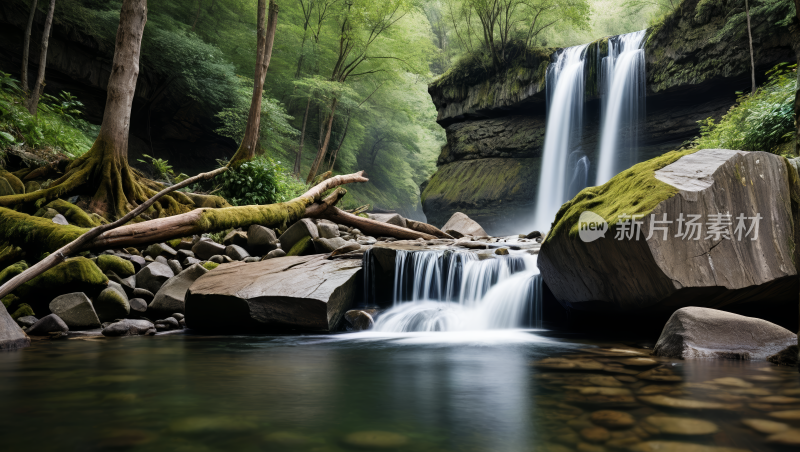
(46, 325)
(120, 266)
(236, 252)
(167, 324)
(327, 230)
(60, 219)
(322, 245)
(238, 238)
(348, 247)
(302, 292)
(360, 320)
(162, 260)
(464, 225)
(138, 262)
(205, 248)
(789, 415)
(11, 335)
(144, 294)
(112, 303)
(76, 310)
(679, 446)
(189, 261)
(261, 240)
(789, 437)
(175, 266)
(391, 218)
(138, 305)
(375, 440)
(766, 426)
(172, 295)
(687, 404)
(681, 425)
(183, 254)
(786, 357)
(26, 321)
(660, 275)
(301, 229)
(694, 332)
(595, 434)
(160, 249)
(129, 327)
(612, 419)
(274, 253)
(153, 276)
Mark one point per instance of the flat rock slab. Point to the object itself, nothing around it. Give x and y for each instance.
(11, 335)
(694, 332)
(293, 292)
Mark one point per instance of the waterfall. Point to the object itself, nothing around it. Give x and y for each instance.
(580, 174)
(457, 291)
(565, 92)
(622, 80)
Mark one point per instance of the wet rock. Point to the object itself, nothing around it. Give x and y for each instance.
(787, 415)
(236, 252)
(779, 399)
(375, 440)
(25, 322)
(76, 310)
(298, 231)
(595, 434)
(204, 249)
(112, 303)
(183, 254)
(789, 437)
(129, 327)
(162, 260)
(501, 251)
(122, 267)
(177, 316)
(679, 446)
(237, 238)
(786, 357)
(564, 363)
(347, 248)
(322, 245)
(359, 320)
(732, 382)
(694, 332)
(175, 266)
(153, 276)
(533, 235)
(46, 325)
(251, 259)
(659, 374)
(766, 426)
(687, 404)
(681, 425)
(59, 219)
(138, 305)
(160, 249)
(144, 294)
(11, 335)
(274, 253)
(171, 297)
(77, 274)
(463, 225)
(390, 218)
(189, 261)
(327, 230)
(612, 419)
(167, 324)
(261, 240)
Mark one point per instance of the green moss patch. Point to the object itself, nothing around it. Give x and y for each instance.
(635, 191)
(23, 310)
(12, 271)
(77, 274)
(301, 247)
(116, 264)
(35, 234)
(210, 265)
(74, 214)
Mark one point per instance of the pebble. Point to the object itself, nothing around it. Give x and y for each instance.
(659, 374)
(564, 363)
(732, 381)
(595, 434)
(639, 362)
(778, 399)
(375, 440)
(687, 404)
(612, 419)
(789, 437)
(765, 426)
(586, 447)
(678, 446)
(681, 425)
(789, 415)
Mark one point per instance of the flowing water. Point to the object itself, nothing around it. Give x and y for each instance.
(622, 80)
(565, 93)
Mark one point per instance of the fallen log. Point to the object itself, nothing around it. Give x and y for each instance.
(428, 229)
(368, 226)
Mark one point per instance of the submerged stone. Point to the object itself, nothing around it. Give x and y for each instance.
(766, 426)
(612, 419)
(681, 425)
(375, 440)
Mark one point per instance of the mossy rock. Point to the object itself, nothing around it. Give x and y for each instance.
(22, 311)
(10, 300)
(5, 188)
(76, 274)
(122, 267)
(303, 246)
(74, 214)
(174, 243)
(210, 265)
(12, 271)
(111, 304)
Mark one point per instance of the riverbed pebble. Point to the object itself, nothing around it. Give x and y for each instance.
(612, 419)
(680, 425)
(375, 440)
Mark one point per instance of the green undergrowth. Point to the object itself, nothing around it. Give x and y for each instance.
(261, 180)
(635, 191)
(760, 121)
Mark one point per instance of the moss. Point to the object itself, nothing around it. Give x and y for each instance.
(9, 300)
(116, 264)
(210, 265)
(111, 305)
(74, 214)
(9, 253)
(13, 181)
(36, 234)
(471, 181)
(635, 191)
(174, 243)
(23, 310)
(77, 274)
(12, 271)
(301, 247)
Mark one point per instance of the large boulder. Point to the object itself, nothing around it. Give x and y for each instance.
(172, 295)
(77, 274)
(153, 276)
(112, 303)
(297, 232)
(76, 310)
(609, 267)
(464, 225)
(11, 335)
(694, 332)
(261, 240)
(391, 218)
(294, 292)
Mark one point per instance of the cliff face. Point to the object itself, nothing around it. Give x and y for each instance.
(696, 60)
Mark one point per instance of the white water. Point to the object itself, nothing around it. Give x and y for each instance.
(623, 86)
(565, 92)
(455, 291)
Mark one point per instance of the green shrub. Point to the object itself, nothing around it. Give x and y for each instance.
(259, 181)
(760, 121)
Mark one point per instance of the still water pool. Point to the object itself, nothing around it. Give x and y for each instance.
(485, 391)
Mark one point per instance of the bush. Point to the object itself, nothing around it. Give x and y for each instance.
(259, 181)
(761, 121)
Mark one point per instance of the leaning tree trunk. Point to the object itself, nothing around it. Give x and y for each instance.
(797, 94)
(38, 87)
(750, 37)
(26, 45)
(266, 38)
(324, 147)
(299, 156)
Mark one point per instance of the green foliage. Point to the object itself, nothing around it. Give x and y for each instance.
(161, 167)
(760, 121)
(259, 181)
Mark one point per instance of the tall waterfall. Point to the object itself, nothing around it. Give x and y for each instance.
(565, 91)
(623, 85)
(457, 291)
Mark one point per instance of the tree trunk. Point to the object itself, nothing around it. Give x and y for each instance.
(26, 47)
(341, 142)
(797, 95)
(197, 15)
(371, 227)
(33, 102)
(324, 148)
(297, 159)
(750, 37)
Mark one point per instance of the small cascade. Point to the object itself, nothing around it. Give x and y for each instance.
(565, 93)
(622, 85)
(580, 173)
(457, 291)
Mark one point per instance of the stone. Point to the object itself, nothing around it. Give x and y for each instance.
(679, 446)
(251, 259)
(5, 188)
(786, 357)
(236, 252)
(172, 295)
(501, 251)
(162, 260)
(301, 292)
(656, 274)
(204, 249)
(32, 186)
(25, 322)
(732, 382)
(347, 248)
(261, 240)
(112, 303)
(391, 218)
(463, 225)
(46, 325)
(122, 267)
(11, 335)
(359, 320)
(789, 415)
(160, 249)
(595, 434)
(138, 262)
(687, 404)
(766, 426)
(138, 305)
(237, 238)
(366, 241)
(144, 294)
(612, 419)
(218, 259)
(76, 310)
(296, 232)
(153, 277)
(76, 274)
(681, 425)
(177, 316)
(322, 245)
(60, 219)
(694, 332)
(327, 229)
(183, 254)
(375, 440)
(274, 253)
(532, 235)
(175, 266)
(789, 437)
(189, 261)
(129, 327)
